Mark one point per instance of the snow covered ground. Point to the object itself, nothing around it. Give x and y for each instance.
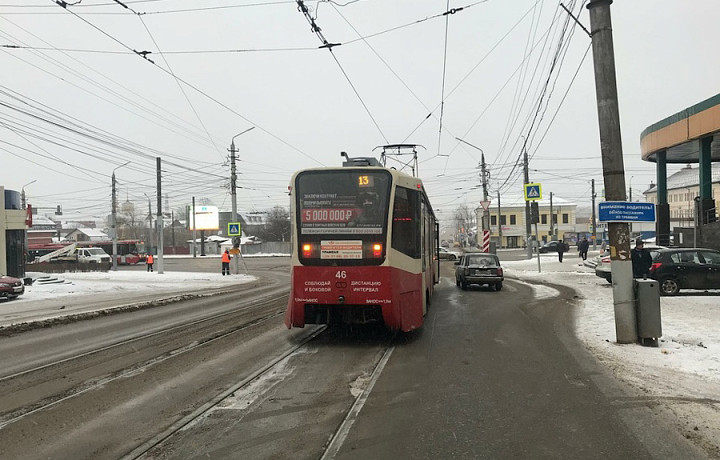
(682, 374)
(126, 282)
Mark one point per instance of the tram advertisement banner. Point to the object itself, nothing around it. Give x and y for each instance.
(355, 205)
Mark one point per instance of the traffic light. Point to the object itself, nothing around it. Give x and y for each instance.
(58, 211)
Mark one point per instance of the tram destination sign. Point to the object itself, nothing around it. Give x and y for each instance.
(623, 211)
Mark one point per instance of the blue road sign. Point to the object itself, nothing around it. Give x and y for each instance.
(622, 211)
(234, 229)
(533, 192)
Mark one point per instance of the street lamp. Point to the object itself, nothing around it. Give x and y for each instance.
(113, 224)
(22, 193)
(233, 180)
(484, 176)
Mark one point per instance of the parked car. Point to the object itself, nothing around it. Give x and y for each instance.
(686, 268)
(479, 268)
(444, 253)
(10, 287)
(550, 246)
(602, 268)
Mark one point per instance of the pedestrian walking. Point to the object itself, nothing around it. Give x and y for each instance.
(226, 263)
(149, 261)
(561, 248)
(603, 246)
(641, 260)
(583, 247)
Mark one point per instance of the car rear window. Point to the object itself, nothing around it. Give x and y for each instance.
(485, 261)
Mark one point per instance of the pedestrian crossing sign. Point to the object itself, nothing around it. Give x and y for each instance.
(234, 229)
(533, 192)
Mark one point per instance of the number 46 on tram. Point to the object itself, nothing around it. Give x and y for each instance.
(364, 241)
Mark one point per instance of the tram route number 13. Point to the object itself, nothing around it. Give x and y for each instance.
(341, 274)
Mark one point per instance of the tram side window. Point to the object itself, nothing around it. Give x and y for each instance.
(406, 222)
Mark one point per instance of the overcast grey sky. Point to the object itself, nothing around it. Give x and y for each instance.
(76, 102)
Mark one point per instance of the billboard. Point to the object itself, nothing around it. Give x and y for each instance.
(205, 218)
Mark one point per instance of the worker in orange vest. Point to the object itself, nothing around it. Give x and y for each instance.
(149, 260)
(226, 263)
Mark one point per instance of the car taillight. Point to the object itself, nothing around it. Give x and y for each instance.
(377, 250)
(499, 271)
(605, 260)
(655, 266)
(307, 250)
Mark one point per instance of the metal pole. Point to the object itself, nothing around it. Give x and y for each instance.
(537, 238)
(194, 232)
(594, 223)
(160, 222)
(527, 207)
(233, 191)
(613, 168)
(113, 225)
(26, 240)
(499, 220)
(552, 226)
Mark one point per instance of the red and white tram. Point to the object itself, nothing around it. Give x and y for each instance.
(364, 242)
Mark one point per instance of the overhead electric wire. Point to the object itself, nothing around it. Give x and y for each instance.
(230, 109)
(539, 106)
(182, 90)
(182, 129)
(325, 44)
(444, 74)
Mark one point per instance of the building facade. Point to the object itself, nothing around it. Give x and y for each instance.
(507, 222)
(683, 190)
(12, 234)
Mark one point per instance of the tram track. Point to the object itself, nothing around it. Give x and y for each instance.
(156, 448)
(250, 315)
(156, 441)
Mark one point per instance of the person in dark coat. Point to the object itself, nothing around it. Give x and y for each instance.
(583, 247)
(561, 248)
(641, 260)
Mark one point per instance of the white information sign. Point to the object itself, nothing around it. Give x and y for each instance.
(341, 249)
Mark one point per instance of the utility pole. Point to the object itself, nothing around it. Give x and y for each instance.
(113, 224)
(194, 232)
(172, 229)
(552, 226)
(528, 228)
(486, 215)
(233, 195)
(499, 221)
(26, 240)
(160, 222)
(150, 228)
(613, 167)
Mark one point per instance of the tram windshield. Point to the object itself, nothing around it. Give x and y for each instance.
(341, 214)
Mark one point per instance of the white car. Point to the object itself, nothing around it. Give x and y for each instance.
(444, 253)
(602, 267)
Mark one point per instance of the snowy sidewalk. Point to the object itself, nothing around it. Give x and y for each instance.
(83, 292)
(682, 374)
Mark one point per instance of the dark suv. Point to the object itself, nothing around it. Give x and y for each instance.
(10, 287)
(686, 268)
(479, 268)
